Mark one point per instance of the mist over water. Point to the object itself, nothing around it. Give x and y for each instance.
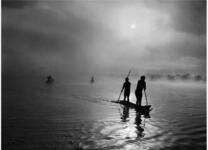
(74, 40)
(70, 115)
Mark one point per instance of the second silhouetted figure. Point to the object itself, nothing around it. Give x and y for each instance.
(126, 87)
(140, 86)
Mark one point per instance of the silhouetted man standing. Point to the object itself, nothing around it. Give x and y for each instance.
(126, 87)
(140, 86)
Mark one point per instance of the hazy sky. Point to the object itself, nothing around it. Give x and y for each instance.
(90, 36)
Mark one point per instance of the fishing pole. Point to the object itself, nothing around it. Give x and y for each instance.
(129, 73)
(145, 97)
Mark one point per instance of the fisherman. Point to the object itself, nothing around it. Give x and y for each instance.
(92, 80)
(141, 85)
(126, 87)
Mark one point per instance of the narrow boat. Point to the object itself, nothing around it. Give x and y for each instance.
(142, 109)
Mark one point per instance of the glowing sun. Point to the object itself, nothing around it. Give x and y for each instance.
(133, 26)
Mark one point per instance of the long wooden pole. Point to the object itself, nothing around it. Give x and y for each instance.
(146, 97)
(120, 96)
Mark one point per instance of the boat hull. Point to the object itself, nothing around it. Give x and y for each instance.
(142, 109)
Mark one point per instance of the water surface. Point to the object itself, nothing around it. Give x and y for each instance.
(80, 115)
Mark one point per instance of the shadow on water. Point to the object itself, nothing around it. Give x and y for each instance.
(125, 114)
(139, 126)
(140, 120)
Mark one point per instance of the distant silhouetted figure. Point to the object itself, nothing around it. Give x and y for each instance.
(126, 87)
(49, 80)
(92, 80)
(141, 85)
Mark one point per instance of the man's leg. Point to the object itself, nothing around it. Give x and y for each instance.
(128, 97)
(124, 96)
(140, 99)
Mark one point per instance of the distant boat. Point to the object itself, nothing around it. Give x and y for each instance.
(49, 80)
(92, 80)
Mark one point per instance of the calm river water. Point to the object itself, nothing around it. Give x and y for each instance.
(72, 115)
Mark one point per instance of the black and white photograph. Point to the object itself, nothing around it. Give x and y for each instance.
(103, 75)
